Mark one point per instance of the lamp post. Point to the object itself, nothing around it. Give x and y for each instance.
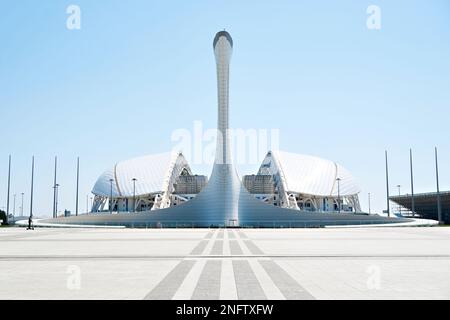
(111, 197)
(32, 188)
(78, 182)
(14, 207)
(387, 184)
(134, 194)
(399, 206)
(9, 184)
(30, 219)
(56, 200)
(339, 194)
(369, 201)
(413, 209)
(438, 195)
(54, 189)
(21, 205)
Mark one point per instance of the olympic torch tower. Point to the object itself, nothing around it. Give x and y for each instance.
(223, 48)
(224, 186)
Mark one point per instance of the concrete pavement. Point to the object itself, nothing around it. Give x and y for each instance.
(362, 263)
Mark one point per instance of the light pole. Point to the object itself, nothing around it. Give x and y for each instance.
(399, 206)
(14, 207)
(30, 219)
(87, 203)
(78, 182)
(21, 206)
(339, 194)
(438, 195)
(56, 201)
(134, 194)
(54, 189)
(387, 184)
(9, 184)
(111, 197)
(369, 202)
(413, 209)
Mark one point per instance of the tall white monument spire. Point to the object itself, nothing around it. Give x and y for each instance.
(223, 48)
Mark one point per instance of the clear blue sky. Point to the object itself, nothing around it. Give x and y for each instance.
(137, 70)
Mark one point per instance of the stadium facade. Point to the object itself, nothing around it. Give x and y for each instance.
(286, 180)
(289, 190)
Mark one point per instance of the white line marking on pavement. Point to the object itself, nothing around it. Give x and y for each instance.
(244, 248)
(226, 244)
(270, 289)
(189, 283)
(209, 247)
(227, 282)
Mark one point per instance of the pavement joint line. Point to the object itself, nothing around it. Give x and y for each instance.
(112, 257)
(103, 240)
(26, 236)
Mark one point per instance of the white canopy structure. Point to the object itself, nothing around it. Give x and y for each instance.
(150, 179)
(308, 182)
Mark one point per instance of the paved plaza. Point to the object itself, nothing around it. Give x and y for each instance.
(347, 263)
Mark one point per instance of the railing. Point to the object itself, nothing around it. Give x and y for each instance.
(246, 225)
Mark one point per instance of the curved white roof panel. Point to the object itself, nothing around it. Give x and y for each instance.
(151, 172)
(310, 175)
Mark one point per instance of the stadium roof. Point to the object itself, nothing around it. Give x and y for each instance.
(425, 204)
(310, 175)
(152, 173)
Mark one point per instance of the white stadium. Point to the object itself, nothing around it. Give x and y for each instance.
(146, 183)
(287, 180)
